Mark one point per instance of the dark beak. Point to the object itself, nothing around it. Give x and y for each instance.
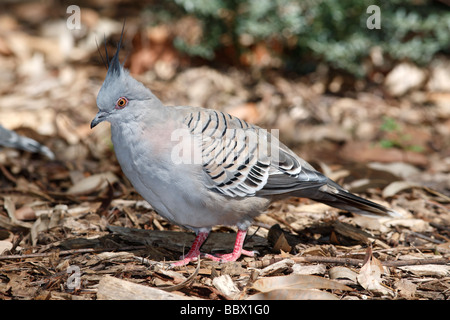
(99, 117)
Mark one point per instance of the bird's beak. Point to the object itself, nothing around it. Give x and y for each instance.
(99, 117)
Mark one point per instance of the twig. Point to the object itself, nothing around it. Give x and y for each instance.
(147, 262)
(348, 261)
(185, 282)
(424, 237)
(436, 193)
(356, 262)
(320, 259)
(67, 252)
(413, 262)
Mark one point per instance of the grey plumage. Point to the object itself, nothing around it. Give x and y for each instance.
(201, 167)
(236, 166)
(11, 139)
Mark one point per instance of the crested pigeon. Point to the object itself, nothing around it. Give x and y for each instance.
(200, 167)
(11, 139)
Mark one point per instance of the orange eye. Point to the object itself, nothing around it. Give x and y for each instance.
(121, 103)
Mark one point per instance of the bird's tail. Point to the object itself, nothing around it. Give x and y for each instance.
(11, 139)
(334, 195)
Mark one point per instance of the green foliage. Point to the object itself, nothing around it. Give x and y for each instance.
(320, 30)
(389, 125)
(395, 137)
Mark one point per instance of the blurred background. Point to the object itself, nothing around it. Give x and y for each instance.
(344, 83)
(335, 88)
(363, 93)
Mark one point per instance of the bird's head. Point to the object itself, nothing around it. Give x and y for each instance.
(121, 96)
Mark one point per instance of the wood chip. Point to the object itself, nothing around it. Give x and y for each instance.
(226, 286)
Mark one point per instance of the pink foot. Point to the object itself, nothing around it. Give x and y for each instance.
(194, 252)
(237, 251)
(187, 258)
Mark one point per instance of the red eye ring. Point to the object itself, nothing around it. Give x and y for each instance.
(121, 103)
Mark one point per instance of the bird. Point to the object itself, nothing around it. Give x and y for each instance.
(11, 139)
(201, 167)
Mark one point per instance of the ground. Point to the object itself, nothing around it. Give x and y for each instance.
(68, 225)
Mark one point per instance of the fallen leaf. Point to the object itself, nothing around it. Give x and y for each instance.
(294, 294)
(11, 210)
(352, 232)
(277, 239)
(5, 245)
(282, 245)
(297, 281)
(406, 288)
(92, 183)
(360, 151)
(370, 275)
(277, 267)
(45, 222)
(25, 213)
(400, 169)
(435, 270)
(395, 187)
(342, 273)
(309, 269)
(110, 288)
(416, 225)
(443, 247)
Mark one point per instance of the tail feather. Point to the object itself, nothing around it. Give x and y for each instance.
(11, 139)
(334, 195)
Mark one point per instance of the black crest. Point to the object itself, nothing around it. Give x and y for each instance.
(113, 65)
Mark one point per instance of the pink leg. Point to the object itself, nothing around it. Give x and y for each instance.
(237, 251)
(194, 252)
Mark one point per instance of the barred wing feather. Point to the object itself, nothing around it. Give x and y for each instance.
(241, 159)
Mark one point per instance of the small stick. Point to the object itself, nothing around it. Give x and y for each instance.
(185, 282)
(347, 261)
(355, 262)
(67, 252)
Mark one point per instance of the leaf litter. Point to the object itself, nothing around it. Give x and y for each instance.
(79, 212)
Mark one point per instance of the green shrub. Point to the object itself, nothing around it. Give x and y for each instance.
(334, 32)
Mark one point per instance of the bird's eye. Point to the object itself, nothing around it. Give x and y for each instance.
(121, 103)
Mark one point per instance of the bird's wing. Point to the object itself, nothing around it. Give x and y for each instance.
(240, 159)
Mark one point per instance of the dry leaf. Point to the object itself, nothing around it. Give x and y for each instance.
(416, 225)
(399, 169)
(276, 237)
(297, 281)
(45, 222)
(342, 273)
(443, 247)
(406, 288)
(309, 269)
(281, 244)
(277, 267)
(435, 270)
(5, 245)
(395, 187)
(25, 213)
(370, 275)
(11, 210)
(294, 294)
(110, 288)
(93, 183)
